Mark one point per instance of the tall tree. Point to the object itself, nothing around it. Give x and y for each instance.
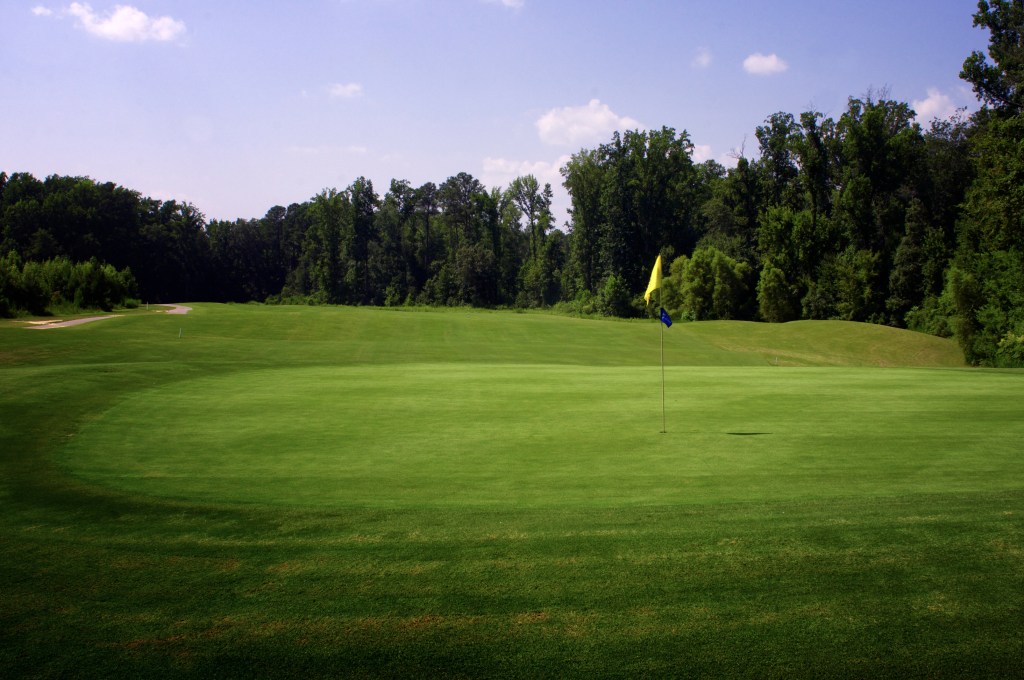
(777, 165)
(534, 207)
(729, 211)
(815, 155)
(237, 254)
(427, 242)
(538, 277)
(647, 200)
(986, 278)
(998, 84)
(357, 233)
(296, 224)
(455, 198)
(174, 252)
(388, 271)
(322, 250)
(583, 177)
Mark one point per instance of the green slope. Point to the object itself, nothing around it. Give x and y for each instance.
(830, 343)
(253, 491)
(373, 335)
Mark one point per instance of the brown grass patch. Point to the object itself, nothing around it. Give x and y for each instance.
(155, 642)
(527, 618)
(421, 622)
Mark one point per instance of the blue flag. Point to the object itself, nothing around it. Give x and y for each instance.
(665, 318)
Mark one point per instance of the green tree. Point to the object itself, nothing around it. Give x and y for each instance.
(710, 285)
(647, 200)
(776, 298)
(584, 178)
(814, 149)
(470, 219)
(237, 255)
(728, 210)
(987, 279)
(174, 252)
(357, 233)
(845, 287)
(322, 250)
(998, 83)
(534, 207)
(614, 298)
(538, 276)
(297, 221)
(949, 172)
(907, 276)
(777, 166)
(882, 150)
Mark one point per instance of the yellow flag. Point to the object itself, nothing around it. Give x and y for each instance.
(655, 280)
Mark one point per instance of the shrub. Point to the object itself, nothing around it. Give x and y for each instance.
(934, 316)
(708, 285)
(614, 298)
(1010, 351)
(39, 287)
(775, 297)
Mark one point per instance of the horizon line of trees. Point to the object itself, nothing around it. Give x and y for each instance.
(868, 217)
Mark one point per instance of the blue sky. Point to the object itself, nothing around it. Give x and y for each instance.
(239, 106)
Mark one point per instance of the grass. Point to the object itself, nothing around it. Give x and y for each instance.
(320, 492)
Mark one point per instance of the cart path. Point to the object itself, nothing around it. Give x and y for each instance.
(57, 323)
(176, 309)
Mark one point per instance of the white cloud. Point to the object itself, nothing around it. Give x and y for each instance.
(575, 125)
(41, 11)
(764, 65)
(126, 24)
(345, 90)
(701, 152)
(702, 59)
(511, 4)
(499, 172)
(935, 105)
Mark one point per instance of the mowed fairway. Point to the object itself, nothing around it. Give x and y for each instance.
(301, 492)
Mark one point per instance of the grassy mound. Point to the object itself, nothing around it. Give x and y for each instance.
(312, 492)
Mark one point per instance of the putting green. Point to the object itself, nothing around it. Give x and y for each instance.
(265, 491)
(432, 435)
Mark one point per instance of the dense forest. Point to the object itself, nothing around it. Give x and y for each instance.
(868, 217)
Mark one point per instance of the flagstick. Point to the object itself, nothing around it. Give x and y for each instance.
(660, 323)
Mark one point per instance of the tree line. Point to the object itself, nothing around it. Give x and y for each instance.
(457, 243)
(866, 217)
